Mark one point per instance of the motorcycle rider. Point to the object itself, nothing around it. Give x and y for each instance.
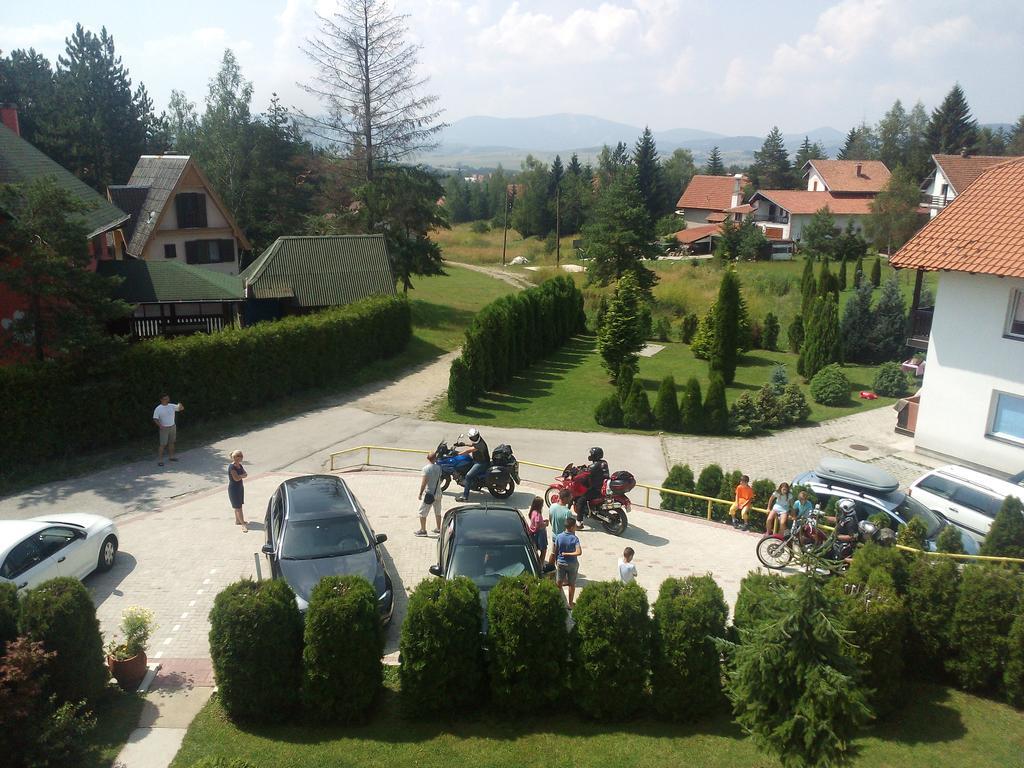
(477, 448)
(598, 473)
(846, 528)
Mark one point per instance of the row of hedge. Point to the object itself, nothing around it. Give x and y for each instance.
(717, 484)
(512, 332)
(59, 408)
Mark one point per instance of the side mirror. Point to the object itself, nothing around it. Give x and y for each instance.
(267, 549)
(435, 570)
(548, 568)
(79, 534)
(381, 538)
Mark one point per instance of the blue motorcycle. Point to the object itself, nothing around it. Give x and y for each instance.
(499, 480)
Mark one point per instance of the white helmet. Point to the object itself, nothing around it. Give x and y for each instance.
(473, 434)
(846, 507)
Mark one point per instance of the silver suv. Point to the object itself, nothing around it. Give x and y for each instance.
(970, 499)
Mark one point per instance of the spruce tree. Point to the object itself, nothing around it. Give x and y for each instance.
(716, 411)
(691, 408)
(819, 236)
(876, 272)
(714, 165)
(822, 343)
(827, 282)
(795, 334)
(842, 275)
(620, 234)
(725, 348)
(620, 337)
(887, 336)
(952, 128)
(1006, 536)
(648, 174)
(771, 163)
(856, 326)
(849, 145)
(808, 288)
(636, 411)
(807, 151)
(624, 381)
(666, 407)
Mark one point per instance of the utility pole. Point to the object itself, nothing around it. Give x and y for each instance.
(510, 198)
(558, 224)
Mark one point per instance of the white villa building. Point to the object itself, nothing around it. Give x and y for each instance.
(952, 175)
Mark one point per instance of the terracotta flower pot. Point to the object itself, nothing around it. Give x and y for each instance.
(130, 672)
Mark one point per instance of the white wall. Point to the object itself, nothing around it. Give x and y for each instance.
(815, 178)
(217, 228)
(968, 359)
(935, 190)
(696, 217)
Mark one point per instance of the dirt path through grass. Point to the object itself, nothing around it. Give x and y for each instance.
(501, 274)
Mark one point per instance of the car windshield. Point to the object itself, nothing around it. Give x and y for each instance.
(910, 508)
(486, 563)
(329, 537)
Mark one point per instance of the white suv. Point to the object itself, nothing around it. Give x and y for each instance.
(970, 499)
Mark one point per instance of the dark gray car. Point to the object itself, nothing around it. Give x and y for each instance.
(315, 527)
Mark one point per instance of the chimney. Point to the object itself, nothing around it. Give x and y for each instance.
(859, 174)
(964, 152)
(737, 189)
(9, 117)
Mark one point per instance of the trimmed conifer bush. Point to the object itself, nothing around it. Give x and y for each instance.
(793, 405)
(691, 408)
(8, 613)
(716, 410)
(636, 411)
(256, 649)
(912, 534)
(666, 407)
(756, 597)
(680, 478)
(443, 622)
(877, 618)
(529, 643)
(709, 481)
(686, 673)
(829, 386)
(873, 557)
(610, 649)
(876, 272)
(460, 387)
(744, 418)
(688, 328)
(60, 614)
(950, 540)
(1006, 536)
(933, 589)
(770, 334)
(890, 380)
(985, 611)
(1013, 677)
(608, 412)
(624, 381)
(344, 642)
(769, 407)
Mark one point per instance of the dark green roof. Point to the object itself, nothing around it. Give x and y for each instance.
(21, 163)
(321, 271)
(151, 282)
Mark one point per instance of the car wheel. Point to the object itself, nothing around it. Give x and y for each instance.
(108, 554)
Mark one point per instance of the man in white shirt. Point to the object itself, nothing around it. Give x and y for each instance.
(163, 417)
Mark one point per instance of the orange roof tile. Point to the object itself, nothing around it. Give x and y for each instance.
(843, 176)
(960, 171)
(745, 208)
(717, 217)
(693, 234)
(981, 231)
(800, 201)
(710, 193)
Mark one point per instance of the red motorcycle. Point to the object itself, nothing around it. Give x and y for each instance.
(611, 507)
(777, 550)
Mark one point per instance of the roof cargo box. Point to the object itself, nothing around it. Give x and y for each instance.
(856, 474)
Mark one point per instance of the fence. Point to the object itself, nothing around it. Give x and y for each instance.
(709, 500)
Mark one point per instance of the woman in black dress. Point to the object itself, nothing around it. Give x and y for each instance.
(236, 491)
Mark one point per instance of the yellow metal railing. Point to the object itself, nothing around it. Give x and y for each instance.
(710, 500)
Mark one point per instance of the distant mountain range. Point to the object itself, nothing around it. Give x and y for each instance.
(483, 142)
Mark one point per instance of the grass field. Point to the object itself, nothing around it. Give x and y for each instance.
(939, 728)
(562, 391)
(116, 717)
(443, 305)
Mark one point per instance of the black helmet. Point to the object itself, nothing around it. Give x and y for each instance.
(596, 454)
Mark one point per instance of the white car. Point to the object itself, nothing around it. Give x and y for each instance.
(968, 498)
(33, 551)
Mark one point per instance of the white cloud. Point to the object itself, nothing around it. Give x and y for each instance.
(39, 36)
(932, 39)
(737, 75)
(682, 76)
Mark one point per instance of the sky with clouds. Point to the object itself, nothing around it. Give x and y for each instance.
(732, 67)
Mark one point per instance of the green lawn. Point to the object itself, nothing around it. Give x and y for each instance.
(939, 728)
(443, 305)
(116, 717)
(562, 391)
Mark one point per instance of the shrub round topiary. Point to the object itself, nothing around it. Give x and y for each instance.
(985, 611)
(830, 386)
(890, 381)
(60, 614)
(873, 557)
(932, 591)
(608, 412)
(529, 643)
(686, 673)
(610, 649)
(876, 617)
(754, 600)
(442, 623)
(1006, 536)
(344, 642)
(256, 649)
(8, 614)
(950, 540)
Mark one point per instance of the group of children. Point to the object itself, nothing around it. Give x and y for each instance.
(566, 548)
(780, 505)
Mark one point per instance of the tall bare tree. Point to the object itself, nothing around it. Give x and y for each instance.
(366, 80)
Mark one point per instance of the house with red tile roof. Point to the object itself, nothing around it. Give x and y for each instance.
(952, 175)
(972, 398)
(846, 177)
(783, 213)
(706, 198)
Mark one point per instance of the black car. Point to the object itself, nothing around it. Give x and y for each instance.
(315, 528)
(485, 543)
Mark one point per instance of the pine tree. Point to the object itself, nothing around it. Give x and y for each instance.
(727, 341)
(795, 334)
(860, 144)
(808, 287)
(827, 282)
(887, 337)
(856, 326)
(691, 408)
(952, 128)
(1015, 146)
(624, 381)
(666, 407)
(858, 272)
(619, 235)
(842, 275)
(821, 345)
(636, 411)
(621, 336)
(819, 235)
(648, 174)
(716, 410)
(771, 332)
(714, 166)
(808, 151)
(918, 156)
(894, 212)
(771, 163)
(876, 272)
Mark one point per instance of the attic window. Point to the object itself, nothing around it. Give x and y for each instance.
(191, 210)
(1015, 326)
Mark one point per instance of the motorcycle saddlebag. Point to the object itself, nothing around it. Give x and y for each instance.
(501, 455)
(621, 482)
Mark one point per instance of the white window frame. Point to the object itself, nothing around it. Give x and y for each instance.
(1005, 437)
(1015, 313)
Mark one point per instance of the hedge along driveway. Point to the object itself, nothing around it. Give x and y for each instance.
(562, 391)
(57, 408)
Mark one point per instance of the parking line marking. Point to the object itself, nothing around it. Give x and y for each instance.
(158, 654)
(200, 591)
(191, 603)
(213, 571)
(184, 615)
(176, 627)
(206, 581)
(168, 641)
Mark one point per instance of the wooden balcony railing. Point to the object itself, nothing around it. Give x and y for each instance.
(920, 327)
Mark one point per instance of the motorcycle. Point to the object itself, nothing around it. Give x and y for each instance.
(611, 507)
(777, 550)
(499, 480)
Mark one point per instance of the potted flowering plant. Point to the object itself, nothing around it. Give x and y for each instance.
(127, 659)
